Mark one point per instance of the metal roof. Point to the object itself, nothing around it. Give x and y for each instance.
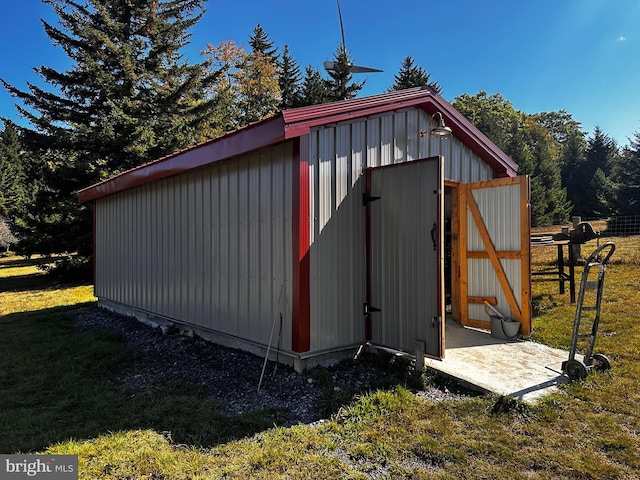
(296, 122)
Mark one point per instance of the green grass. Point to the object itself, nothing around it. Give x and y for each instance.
(57, 397)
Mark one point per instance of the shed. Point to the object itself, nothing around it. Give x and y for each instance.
(321, 229)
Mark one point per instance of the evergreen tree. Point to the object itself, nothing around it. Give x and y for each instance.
(572, 161)
(601, 149)
(597, 197)
(128, 97)
(549, 205)
(13, 174)
(626, 174)
(411, 75)
(19, 183)
(314, 89)
(258, 82)
(259, 41)
(341, 86)
(289, 81)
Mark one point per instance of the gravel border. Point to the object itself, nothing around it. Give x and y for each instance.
(230, 377)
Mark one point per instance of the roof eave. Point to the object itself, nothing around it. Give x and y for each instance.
(298, 122)
(266, 133)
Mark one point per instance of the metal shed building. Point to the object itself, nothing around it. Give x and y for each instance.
(331, 225)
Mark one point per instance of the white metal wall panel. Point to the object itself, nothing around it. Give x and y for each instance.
(210, 247)
(337, 236)
(338, 156)
(499, 207)
(486, 284)
(503, 224)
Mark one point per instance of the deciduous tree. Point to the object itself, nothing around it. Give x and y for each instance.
(226, 58)
(6, 237)
(532, 146)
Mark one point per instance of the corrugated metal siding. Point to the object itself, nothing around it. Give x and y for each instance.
(338, 157)
(337, 237)
(501, 218)
(502, 221)
(210, 247)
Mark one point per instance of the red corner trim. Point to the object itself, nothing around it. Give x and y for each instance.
(301, 303)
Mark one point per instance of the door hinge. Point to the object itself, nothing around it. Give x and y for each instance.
(368, 199)
(369, 309)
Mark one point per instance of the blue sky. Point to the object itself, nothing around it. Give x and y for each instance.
(582, 56)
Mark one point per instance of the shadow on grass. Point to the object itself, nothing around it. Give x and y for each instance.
(25, 262)
(55, 383)
(25, 283)
(34, 281)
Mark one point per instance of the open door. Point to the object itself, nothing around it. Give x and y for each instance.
(494, 261)
(405, 294)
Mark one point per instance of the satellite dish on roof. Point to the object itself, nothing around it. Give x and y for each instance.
(329, 64)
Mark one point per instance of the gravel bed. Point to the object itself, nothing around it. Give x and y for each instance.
(230, 377)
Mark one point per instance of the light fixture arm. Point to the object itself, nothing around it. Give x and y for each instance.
(440, 130)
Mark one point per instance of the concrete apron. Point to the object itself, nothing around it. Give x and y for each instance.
(522, 369)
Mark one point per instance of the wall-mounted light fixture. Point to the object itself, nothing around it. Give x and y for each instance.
(440, 130)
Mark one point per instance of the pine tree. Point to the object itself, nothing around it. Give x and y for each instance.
(289, 80)
(314, 89)
(258, 86)
(626, 174)
(410, 76)
(340, 83)
(549, 205)
(129, 97)
(572, 161)
(12, 173)
(597, 191)
(259, 41)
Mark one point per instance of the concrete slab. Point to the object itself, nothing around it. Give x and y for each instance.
(523, 369)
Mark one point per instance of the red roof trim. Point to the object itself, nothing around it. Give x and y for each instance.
(299, 121)
(296, 122)
(244, 140)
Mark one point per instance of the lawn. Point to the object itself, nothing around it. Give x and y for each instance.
(57, 398)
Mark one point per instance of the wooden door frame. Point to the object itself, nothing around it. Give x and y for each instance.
(462, 199)
(453, 187)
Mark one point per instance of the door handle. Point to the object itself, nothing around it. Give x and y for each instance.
(433, 236)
